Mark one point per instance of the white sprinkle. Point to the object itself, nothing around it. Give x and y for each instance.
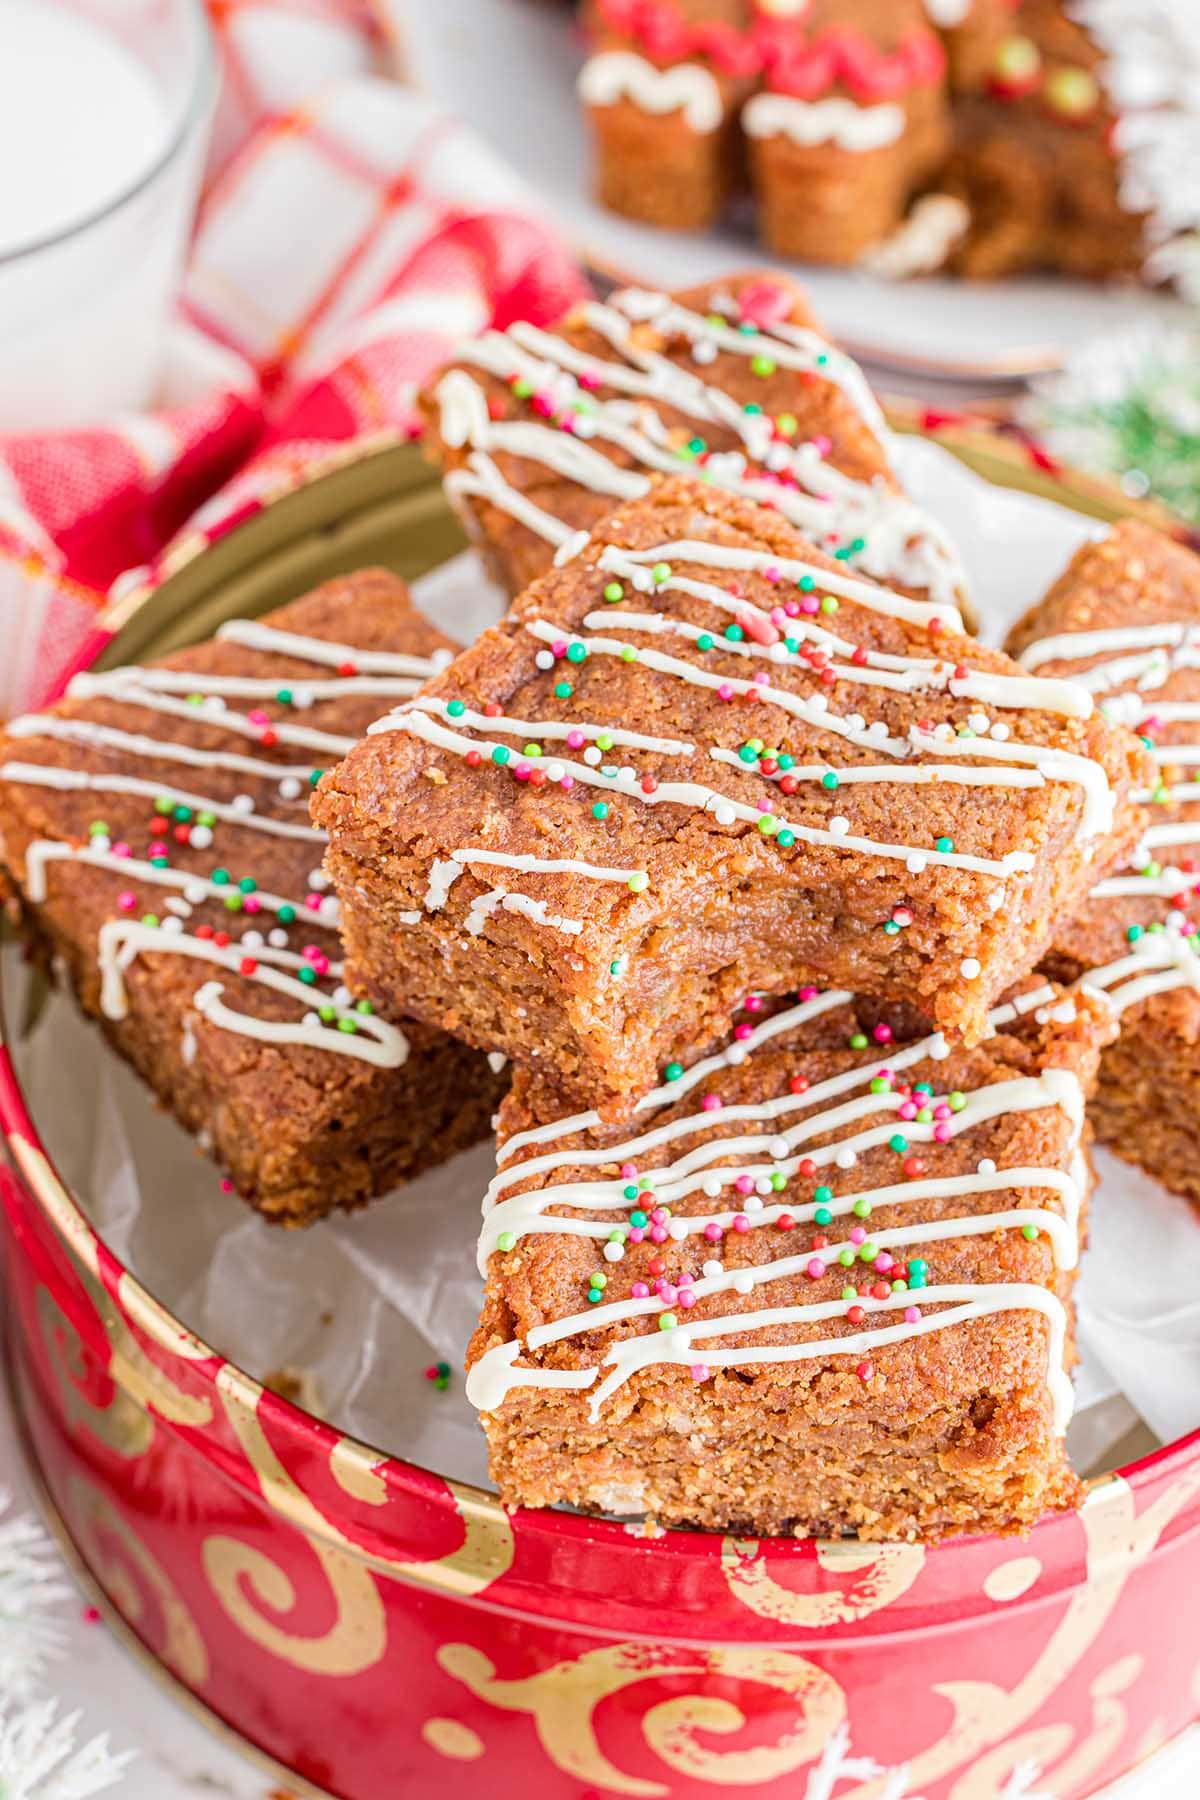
(342, 996)
(839, 825)
(253, 940)
(986, 1167)
(200, 837)
(677, 1230)
(939, 1049)
(743, 1283)
(613, 1252)
(724, 815)
(971, 968)
(243, 803)
(980, 723)
(712, 1186)
(289, 788)
(711, 1269)
(779, 1148)
(915, 864)
(856, 722)
(196, 892)
(554, 771)
(592, 756)
(544, 659)
(101, 843)
(1000, 731)
(736, 1053)
(846, 1159)
(171, 924)
(277, 938)
(679, 1339)
(704, 351)
(318, 881)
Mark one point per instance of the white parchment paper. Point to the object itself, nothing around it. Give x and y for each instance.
(354, 1310)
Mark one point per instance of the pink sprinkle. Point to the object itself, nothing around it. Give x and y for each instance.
(740, 1222)
(713, 1232)
(744, 1184)
(791, 608)
(589, 381)
(226, 1185)
(822, 445)
(810, 605)
(807, 993)
(667, 1293)
(636, 1234)
(253, 904)
(658, 1216)
(121, 848)
(576, 740)
(699, 1371)
(764, 302)
(126, 901)
(314, 903)
(658, 1234)
(858, 1235)
(816, 1269)
(941, 1133)
(559, 647)
(686, 1280)
(640, 1291)
(743, 1031)
(629, 1171)
(711, 1102)
(882, 1033)
(686, 1299)
(771, 572)
(942, 1111)
(884, 1261)
(259, 717)
(912, 1315)
(724, 692)
(778, 616)
(908, 1109)
(753, 1003)
(522, 771)
(568, 781)
(761, 677)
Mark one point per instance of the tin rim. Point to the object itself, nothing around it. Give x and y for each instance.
(88, 1254)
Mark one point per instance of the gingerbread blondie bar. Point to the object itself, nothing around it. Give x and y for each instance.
(159, 838)
(1124, 620)
(539, 434)
(700, 758)
(820, 1282)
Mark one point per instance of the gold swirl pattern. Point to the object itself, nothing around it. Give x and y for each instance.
(246, 1582)
(880, 1574)
(121, 1426)
(562, 1703)
(127, 1576)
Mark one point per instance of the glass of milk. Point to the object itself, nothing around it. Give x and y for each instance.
(104, 113)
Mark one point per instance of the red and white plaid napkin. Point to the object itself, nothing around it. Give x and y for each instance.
(349, 233)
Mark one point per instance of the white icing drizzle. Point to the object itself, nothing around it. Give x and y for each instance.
(504, 899)
(553, 730)
(131, 743)
(79, 780)
(547, 865)
(614, 75)
(219, 717)
(696, 795)
(497, 1373)
(43, 851)
(1157, 963)
(121, 940)
(833, 120)
(1161, 650)
(243, 687)
(900, 541)
(324, 651)
(922, 242)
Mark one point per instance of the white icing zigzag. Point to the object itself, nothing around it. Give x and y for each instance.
(775, 1149)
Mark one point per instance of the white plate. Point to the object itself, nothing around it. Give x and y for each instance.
(509, 68)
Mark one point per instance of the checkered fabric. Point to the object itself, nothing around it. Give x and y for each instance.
(349, 233)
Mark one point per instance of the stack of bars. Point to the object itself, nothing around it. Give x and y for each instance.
(986, 136)
(745, 854)
(789, 925)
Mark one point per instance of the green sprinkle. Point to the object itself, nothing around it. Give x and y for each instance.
(600, 809)
(667, 1321)
(98, 828)
(846, 1258)
(247, 884)
(163, 804)
(673, 1071)
(614, 592)
(150, 919)
(778, 1180)
(868, 1252)
(628, 653)
(734, 633)
(786, 762)
(327, 1014)
(822, 1216)
(880, 1084)
(315, 776)
(182, 815)
(456, 708)
(638, 882)
(891, 928)
(604, 741)
(704, 641)
(639, 1219)
(850, 1293)
(828, 602)
(785, 838)
(1029, 1231)
(747, 754)
(858, 1041)
(577, 653)
(532, 750)
(762, 366)
(768, 824)
(957, 1100)
(563, 690)
(364, 1007)
(661, 572)
(595, 1295)
(898, 1143)
(599, 1281)
(307, 975)
(829, 779)
(347, 1024)
(822, 1194)
(286, 915)
(522, 388)
(862, 1208)
(944, 844)
(220, 877)
(806, 584)
(284, 696)
(501, 754)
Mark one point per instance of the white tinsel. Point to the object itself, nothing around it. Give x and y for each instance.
(39, 1759)
(31, 1586)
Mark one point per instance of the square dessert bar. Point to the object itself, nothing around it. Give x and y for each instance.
(156, 826)
(1124, 620)
(697, 759)
(821, 1282)
(542, 433)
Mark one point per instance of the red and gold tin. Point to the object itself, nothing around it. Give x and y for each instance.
(378, 1630)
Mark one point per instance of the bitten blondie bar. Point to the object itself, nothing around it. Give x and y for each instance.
(541, 433)
(160, 840)
(1124, 620)
(820, 1282)
(699, 759)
